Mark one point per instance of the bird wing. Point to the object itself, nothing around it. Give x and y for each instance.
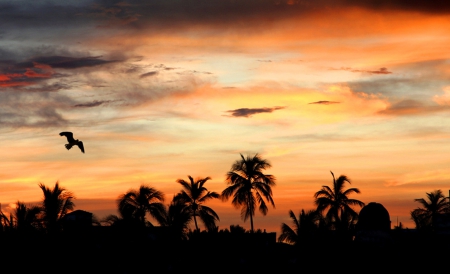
(81, 146)
(69, 136)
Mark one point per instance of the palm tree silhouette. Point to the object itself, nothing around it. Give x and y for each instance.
(27, 217)
(193, 195)
(57, 202)
(178, 218)
(135, 204)
(436, 204)
(340, 214)
(249, 186)
(303, 227)
(6, 223)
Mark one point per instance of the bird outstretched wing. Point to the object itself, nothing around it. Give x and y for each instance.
(69, 136)
(81, 146)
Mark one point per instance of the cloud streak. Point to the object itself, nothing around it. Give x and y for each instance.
(248, 112)
(92, 104)
(379, 71)
(324, 103)
(412, 107)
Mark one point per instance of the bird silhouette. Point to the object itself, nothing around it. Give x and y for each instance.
(72, 141)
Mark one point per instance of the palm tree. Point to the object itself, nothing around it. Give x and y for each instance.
(437, 204)
(193, 195)
(6, 223)
(249, 186)
(27, 217)
(135, 204)
(178, 218)
(57, 202)
(303, 227)
(340, 214)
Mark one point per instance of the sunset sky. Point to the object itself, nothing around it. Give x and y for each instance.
(158, 90)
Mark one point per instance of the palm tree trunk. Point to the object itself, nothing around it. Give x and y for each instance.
(250, 205)
(195, 220)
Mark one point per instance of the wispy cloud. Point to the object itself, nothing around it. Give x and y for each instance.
(379, 71)
(68, 62)
(247, 112)
(92, 104)
(411, 107)
(151, 73)
(324, 102)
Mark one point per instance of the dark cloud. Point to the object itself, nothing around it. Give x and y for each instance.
(151, 73)
(438, 6)
(92, 104)
(324, 102)
(230, 12)
(114, 14)
(20, 75)
(39, 69)
(242, 13)
(83, 16)
(247, 112)
(36, 14)
(66, 62)
(379, 71)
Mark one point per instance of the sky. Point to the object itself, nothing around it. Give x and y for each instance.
(158, 90)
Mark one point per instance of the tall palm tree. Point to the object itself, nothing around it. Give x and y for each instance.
(135, 204)
(57, 202)
(249, 186)
(193, 195)
(303, 227)
(425, 216)
(340, 213)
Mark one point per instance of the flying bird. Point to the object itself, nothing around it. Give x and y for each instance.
(72, 141)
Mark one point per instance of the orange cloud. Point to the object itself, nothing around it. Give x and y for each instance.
(4, 78)
(443, 100)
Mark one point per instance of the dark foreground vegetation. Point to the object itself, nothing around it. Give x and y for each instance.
(335, 237)
(107, 250)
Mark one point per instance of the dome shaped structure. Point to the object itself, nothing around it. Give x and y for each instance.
(374, 216)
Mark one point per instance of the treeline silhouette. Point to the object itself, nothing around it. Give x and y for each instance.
(53, 237)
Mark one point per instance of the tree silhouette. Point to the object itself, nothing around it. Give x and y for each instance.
(237, 229)
(436, 204)
(303, 228)
(193, 195)
(178, 217)
(249, 186)
(340, 214)
(57, 202)
(6, 223)
(27, 217)
(135, 204)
